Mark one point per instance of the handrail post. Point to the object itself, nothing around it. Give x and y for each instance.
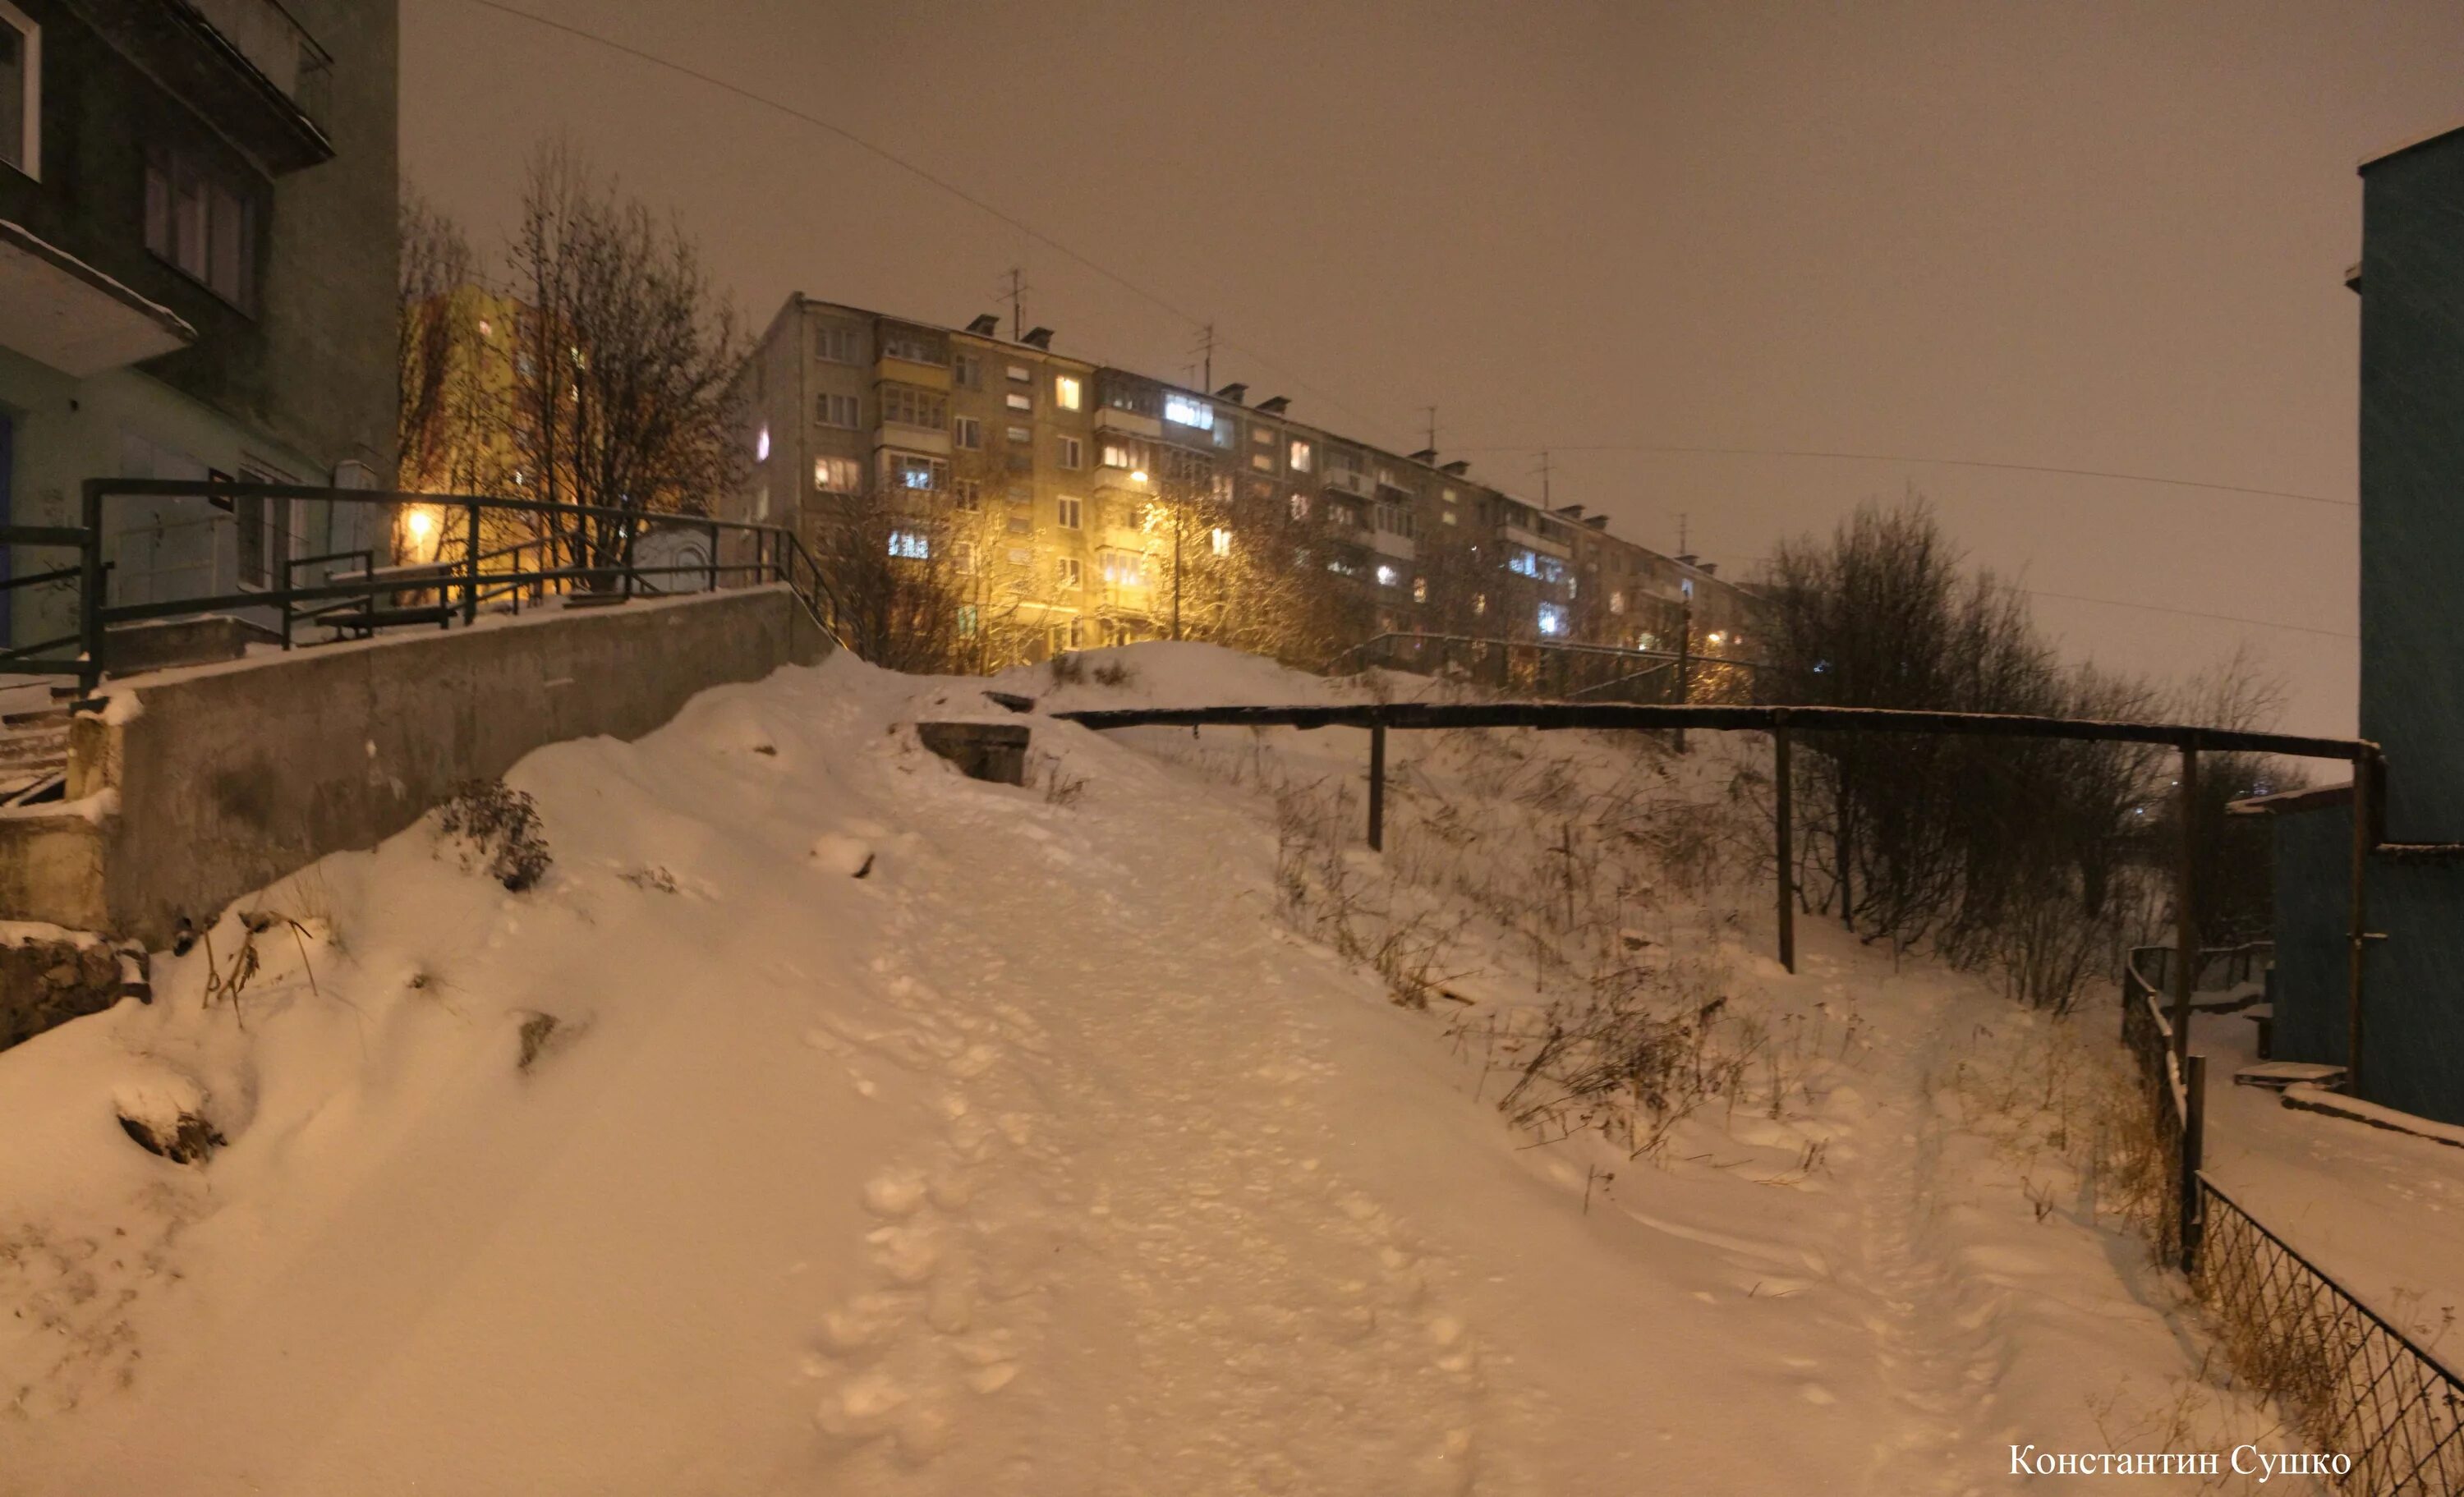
(90, 591)
(2186, 923)
(1378, 788)
(2195, 1142)
(286, 603)
(471, 562)
(714, 556)
(1784, 781)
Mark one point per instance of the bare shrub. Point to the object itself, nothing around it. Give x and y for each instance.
(498, 828)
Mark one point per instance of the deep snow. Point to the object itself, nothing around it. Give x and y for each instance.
(1041, 1159)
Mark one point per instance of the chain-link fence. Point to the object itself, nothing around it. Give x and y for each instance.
(2356, 1384)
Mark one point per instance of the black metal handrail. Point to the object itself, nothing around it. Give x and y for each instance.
(459, 585)
(36, 659)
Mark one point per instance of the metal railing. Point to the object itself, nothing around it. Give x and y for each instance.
(557, 560)
(2358, 1386)
(44, 656)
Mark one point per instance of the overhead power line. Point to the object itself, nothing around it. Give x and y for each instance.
(925, 174)
(2189, 613)
(1904, 457)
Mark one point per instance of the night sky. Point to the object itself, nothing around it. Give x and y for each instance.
(2107, 237)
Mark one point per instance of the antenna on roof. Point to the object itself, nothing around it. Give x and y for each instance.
(1545, 471)
(1433, 429)
(1205, 351)
(1016, 296)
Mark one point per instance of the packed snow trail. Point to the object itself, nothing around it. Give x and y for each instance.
(1037, 1158)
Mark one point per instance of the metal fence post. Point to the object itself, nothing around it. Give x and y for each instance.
(471, 562)
(2195, 1141)
(90, 592)
(1785, 817)
(1378, 788)
(714, 556)
(2185, 925)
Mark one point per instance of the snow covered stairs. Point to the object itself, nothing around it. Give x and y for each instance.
(33, 755)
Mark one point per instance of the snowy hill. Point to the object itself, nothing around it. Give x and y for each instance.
(824, 1122)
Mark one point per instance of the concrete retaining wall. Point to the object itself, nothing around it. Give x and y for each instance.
(229, 777)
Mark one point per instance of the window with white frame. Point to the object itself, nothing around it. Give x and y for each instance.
(1118, 455)
(837, 474)
(835, 411)
(1072, 513)
(1068, 392)
(912, 471)
(1073, 452)
(966, 432)
(913, 405)
(1301, 455)
(21, 92)
(966, 371)
(1188, 410)
(833, 344)
(1073, 572)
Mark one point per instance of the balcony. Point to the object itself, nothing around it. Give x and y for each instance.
(246, 65)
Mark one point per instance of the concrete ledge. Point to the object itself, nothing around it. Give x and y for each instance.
(229, 777)
(51, 864)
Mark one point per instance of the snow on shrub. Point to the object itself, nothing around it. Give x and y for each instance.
(498, 828)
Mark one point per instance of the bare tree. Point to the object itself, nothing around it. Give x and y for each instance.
(624, 390)
(431, 351)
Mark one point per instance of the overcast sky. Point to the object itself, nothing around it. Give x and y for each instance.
(2107, 237)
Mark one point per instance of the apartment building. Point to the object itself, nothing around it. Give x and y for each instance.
(1100, 505)
(197, 267)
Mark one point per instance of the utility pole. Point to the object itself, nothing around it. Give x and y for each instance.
(1015, 295)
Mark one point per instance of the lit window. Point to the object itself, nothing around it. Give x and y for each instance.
(1300, 505)
(908, 471)
(1264, 462)
(1072, 513)
(1117, 455)
(1067, 392)
(1188, 410)
(1073, 572)
(1522, 562)
(761, 446)
(837, 474)
(966, 620)
(1300, 456)
(486, 328)
(1617, 603)
(1479, 604)
(1387, 577)
(1553, 620)
(1420, 589)
(1719, 638)
(1223, 539)
(911, 544)
(1447, 517)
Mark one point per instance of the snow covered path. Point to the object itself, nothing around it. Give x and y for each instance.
(1038, 1160)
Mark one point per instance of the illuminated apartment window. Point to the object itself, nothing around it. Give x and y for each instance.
(908, 471)
(1223, 541)
(1262, 436)
(1420, 589)
(1553, 620)
(1117, 455)
(1300, 505)
(837, 474)
(1388, 577)
(1301, 455)
(1617, 603)
(1073, 572)
(761, 446)
(1479, 604)
(1072, 513)
(1188, 410)
(909, 545)
(1073, 452)
(1067, 392)
(1264, 462)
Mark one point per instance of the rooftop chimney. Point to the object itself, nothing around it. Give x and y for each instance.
(987, 326)
(1689, 559)
(1571, 511)
(1459, 467)
(1235, 393)
(1707, 568)
(1275, 406)
(1038, 338)
(1426, 454)
(1597, 522)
